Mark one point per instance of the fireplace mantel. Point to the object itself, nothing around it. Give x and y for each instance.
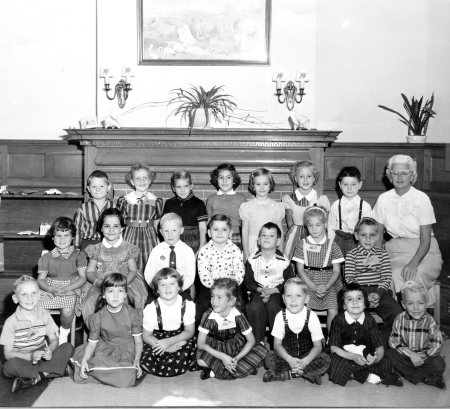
(200, 150)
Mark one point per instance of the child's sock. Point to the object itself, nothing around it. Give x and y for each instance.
(63, 335)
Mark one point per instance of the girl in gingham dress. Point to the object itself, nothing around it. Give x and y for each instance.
(62, 275)
(226, 344)
(169, 326)
(303, 175)
(141, 211)
(318, 263)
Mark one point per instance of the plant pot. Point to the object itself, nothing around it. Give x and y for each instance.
(200, 120)
(416, 138)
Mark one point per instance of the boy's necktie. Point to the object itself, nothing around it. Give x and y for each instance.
(172, 257)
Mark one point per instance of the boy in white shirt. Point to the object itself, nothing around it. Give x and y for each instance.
(348, 210)
(297, 339)
(172, 252)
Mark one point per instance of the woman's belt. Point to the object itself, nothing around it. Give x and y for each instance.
(137, 224)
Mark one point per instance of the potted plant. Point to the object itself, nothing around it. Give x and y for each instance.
(417, 117)
(195, 102)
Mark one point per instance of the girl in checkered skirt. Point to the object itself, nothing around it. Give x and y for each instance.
(62, 275)
(226, 344)
(169, 326)
(318, 261)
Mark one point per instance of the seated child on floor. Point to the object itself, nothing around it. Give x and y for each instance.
(297, 339)
(219, 258)
(113, 352)
(416, 340)
(356, 344)
(62, 276)
(226, 345)
(113, 255)
(369, 266)
(29, 357)
(266, 271)
(174, 253)
(169, 326)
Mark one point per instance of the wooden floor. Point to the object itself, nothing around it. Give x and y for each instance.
(189, 391)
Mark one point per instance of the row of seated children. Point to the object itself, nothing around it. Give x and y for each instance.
(122, 344)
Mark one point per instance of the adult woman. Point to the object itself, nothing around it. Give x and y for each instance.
(407, 215)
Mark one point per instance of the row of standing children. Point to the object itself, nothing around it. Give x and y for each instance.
(261, 184)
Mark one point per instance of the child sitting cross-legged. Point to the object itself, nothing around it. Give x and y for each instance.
(169, 325)
(356, 345)
(416, 340)
(369, 266)
(29, 357)
(266, 271)
(297, 339)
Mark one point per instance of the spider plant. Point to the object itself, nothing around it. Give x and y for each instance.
(214, 102)
(417, 115)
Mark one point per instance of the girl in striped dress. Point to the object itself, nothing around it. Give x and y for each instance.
(226, 344)
(318, 261)
(303, 175)
(141, 211)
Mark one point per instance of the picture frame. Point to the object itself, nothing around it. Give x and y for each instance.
(204, 32)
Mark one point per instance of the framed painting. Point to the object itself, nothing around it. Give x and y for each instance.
(204, 32)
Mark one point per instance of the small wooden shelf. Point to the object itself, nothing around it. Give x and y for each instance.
(41, 196)
(12, 235)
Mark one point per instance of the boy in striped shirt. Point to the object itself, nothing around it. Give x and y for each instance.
(416, 340)
(30, 340)
(87, 215)
(369, 266)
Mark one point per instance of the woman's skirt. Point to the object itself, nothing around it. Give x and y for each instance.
(402, 250)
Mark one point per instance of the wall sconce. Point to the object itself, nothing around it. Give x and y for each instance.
(122, 87)
(290, 93)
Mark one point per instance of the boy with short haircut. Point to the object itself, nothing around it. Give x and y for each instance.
(297, 339)
(87, 215)
(369, 266)
(416, 340)
(29, 358)
(266, 271)
(172, 252)
(219, 258)
(345, 212)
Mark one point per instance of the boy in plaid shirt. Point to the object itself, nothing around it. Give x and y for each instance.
(416, 340)
(369, 266)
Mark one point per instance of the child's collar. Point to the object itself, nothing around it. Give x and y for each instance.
(350, 320)
(174, 244)
(310, 240)
(308, 197)
(231, 192)
(115, 245)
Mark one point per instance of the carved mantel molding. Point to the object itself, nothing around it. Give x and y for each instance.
(199, 150)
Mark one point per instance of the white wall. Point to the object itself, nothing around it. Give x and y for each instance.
(359, 54)
(47, 66)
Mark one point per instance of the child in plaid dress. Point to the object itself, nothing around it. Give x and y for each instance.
(303, 175)
(169, 326)
(113, 255)
(318, 263)
(62, 276)
(297, 339)
(140, 211)
(356, 344)
(226, 345)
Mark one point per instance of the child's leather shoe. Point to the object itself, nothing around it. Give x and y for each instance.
(393, 379)
(435, 380)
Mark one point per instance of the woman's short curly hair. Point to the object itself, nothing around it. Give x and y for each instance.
(225, 166)
(404, 160)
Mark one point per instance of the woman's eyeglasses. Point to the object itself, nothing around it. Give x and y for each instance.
(400, 172)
